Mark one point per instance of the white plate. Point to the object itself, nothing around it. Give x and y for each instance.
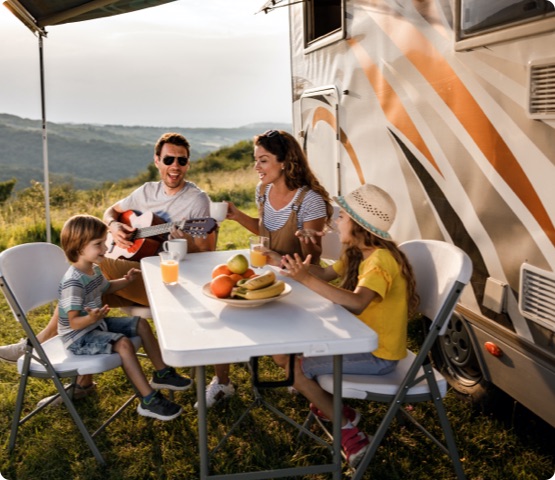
(239, 302)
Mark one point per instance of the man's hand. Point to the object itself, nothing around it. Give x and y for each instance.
(121, 233)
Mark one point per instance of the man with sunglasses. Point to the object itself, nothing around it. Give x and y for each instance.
(172, 199)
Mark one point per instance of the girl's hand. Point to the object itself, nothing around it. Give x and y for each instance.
(295, 267)
(272, 258)
(97, 314)
(132, 274)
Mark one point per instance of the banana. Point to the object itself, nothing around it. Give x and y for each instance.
(262, 281)
(272, 290)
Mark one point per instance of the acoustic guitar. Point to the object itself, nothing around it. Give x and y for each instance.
(148, 234)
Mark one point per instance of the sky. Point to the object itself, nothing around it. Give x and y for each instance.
(189, 63)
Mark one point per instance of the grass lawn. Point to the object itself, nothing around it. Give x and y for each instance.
(506, 442)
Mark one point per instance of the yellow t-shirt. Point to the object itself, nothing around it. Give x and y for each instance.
(387, 314)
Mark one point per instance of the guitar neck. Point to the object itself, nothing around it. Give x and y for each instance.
(154, 230)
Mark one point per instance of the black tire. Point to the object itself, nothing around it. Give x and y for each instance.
(455, 357)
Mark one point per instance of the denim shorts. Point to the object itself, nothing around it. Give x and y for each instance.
(99, 341)
(354, 364)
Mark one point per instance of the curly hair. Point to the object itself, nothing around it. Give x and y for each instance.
(352, 257)
(296, 169)
(78, 231)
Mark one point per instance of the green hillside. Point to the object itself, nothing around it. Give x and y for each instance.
(86, 156)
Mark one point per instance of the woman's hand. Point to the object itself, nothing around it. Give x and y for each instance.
(232, 212)
(309, 235)
(295, 267)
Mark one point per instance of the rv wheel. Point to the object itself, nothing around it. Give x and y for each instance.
(454, 356)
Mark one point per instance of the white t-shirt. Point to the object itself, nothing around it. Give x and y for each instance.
(190, 202)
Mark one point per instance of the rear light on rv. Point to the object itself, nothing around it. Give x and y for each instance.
(493, 349)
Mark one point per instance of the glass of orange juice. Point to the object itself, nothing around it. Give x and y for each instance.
(169, 266)
(258, 245)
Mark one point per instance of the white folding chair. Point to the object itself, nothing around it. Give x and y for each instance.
(29, 278)
(442, 270)
(331, 246)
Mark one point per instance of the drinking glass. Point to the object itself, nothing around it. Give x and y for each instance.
(258, 244)
(169, 267)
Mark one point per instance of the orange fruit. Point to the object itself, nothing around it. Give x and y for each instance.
(221, 286)
(236, 277)
(220, 269)
(249, 273)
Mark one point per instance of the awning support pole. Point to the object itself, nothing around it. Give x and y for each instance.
(44, 143)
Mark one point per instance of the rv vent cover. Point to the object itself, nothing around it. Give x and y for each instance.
(537, 295)
(541, 90)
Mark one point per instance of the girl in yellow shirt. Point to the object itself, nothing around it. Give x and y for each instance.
(376, 284)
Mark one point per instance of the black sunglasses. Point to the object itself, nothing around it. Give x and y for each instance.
(275, 133)
(168, 160)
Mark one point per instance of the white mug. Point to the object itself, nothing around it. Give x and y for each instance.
(218, 211)
(176, 245)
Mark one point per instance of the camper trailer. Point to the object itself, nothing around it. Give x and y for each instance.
(449, 105)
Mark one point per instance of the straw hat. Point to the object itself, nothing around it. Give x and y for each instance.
(371, 207)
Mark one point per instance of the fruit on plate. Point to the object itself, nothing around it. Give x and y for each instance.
(273, 290)
(221, 269)
(222, 285)
(238, 263)
(261, 281)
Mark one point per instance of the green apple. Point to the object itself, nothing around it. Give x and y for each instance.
(238, 264)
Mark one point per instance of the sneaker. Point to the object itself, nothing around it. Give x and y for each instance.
(348, 412)
(10, 353)
(355, 444)
(171, 380)
(217, 391)
(159, 407)
(79, 393)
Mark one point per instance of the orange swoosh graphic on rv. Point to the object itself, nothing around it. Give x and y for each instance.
(443, 79)
(321, 114)
(390, 102)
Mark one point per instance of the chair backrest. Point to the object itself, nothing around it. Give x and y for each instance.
(439, 267)
(32, 273)
(331, 246)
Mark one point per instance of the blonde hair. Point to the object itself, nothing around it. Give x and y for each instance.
(352, 257)
(78, 231)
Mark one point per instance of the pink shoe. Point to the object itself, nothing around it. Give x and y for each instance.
(355, 444)
(348, 412)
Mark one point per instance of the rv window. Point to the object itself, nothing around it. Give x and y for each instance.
(477, 16)
(323, 22)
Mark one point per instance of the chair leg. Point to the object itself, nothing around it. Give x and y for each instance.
(19, 401)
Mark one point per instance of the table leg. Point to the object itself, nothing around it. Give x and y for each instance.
(202, 423)
(337, 413)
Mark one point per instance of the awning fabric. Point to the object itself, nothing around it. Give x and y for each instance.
(55, 12)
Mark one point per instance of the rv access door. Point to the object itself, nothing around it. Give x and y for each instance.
(320, 137)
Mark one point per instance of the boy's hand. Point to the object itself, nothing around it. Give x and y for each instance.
(295, 267)
(97, 313)
(132, 274)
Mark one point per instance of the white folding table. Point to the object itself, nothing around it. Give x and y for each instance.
(195, 330)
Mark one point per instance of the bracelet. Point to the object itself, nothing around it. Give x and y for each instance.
(111, 221)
